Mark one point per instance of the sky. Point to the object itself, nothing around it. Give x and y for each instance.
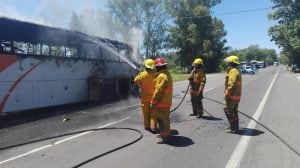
(243, 28)
(246, 28)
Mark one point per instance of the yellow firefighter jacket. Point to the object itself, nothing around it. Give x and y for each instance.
(146, 82)
(162, 96)
(197, 78)
(233, 84)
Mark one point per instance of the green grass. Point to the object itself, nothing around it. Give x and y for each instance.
(179, 76)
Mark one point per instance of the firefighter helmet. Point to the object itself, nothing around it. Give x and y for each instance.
(233, 59)
(198, 61)
(160, 62)
(149, 63)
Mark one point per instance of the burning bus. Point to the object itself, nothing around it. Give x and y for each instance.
(43, 66)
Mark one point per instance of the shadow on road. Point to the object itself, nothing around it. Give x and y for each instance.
(250, 132)
(180, 141)
(180, 121)
(212, 118)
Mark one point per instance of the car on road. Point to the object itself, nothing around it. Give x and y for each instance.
(247, 70)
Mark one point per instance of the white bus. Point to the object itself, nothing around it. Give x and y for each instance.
(43, 66)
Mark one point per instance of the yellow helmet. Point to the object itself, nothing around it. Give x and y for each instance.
(233, 59)
(149, 63)
(198, 61)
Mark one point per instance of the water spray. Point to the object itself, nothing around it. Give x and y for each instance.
(113, 51)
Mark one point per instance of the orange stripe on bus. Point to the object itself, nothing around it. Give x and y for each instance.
(6, 61)
(12, 88)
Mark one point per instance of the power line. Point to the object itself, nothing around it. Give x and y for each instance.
(230, 13)
(245, 11)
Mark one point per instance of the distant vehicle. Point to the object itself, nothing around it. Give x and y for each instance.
(253, 63)
(275, 63)
(261, 64)
(247, 70)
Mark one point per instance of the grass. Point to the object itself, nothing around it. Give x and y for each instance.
(179, 76)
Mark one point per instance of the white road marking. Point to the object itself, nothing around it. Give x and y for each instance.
(84, 133)
(67, 139)
(206, 90)
(58, 142)
(238, 153)
(298, 78)
(27, 153)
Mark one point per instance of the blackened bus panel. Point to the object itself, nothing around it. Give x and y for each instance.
(42, 66)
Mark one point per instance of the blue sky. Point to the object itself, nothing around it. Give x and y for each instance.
(243, 29)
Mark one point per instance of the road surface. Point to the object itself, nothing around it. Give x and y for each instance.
(271, 96)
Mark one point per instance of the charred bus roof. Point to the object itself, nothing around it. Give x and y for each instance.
(16, 30)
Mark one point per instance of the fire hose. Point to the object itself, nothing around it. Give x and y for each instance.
(141, 134)
(130, 143)
(264, 126)
(98, 129)
(251, 118)
(174, 109)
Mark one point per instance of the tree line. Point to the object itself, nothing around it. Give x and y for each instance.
(180, 30)
(286, 33)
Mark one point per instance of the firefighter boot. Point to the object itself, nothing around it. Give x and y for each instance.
(161, 140)
(234, 127)
(194, 112)
(200, 113)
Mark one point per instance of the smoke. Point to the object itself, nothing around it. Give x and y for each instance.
(135, 41)
(47, 12)
(98, 23)
(58, 13)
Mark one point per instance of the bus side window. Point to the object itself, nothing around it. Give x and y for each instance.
(6, 46)
(1, 49)
(71, 52)
(82, 55)
(45, 50)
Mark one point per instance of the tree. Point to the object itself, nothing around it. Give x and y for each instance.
(196, 33)
(148, 16)
(286, 33)
(254, 52)
(238, 53)
(127, 15)
(76, 23)
(155, 24)
(283, 59)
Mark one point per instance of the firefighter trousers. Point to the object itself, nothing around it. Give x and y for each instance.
(197, 104)
(149, 116)
(163, 122)
(231, 112)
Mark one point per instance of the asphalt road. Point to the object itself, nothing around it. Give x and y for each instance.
(271, 96)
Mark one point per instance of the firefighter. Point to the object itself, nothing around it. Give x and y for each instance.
(197, 80)
(162, 99)
(233, 89)
(145, 80)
